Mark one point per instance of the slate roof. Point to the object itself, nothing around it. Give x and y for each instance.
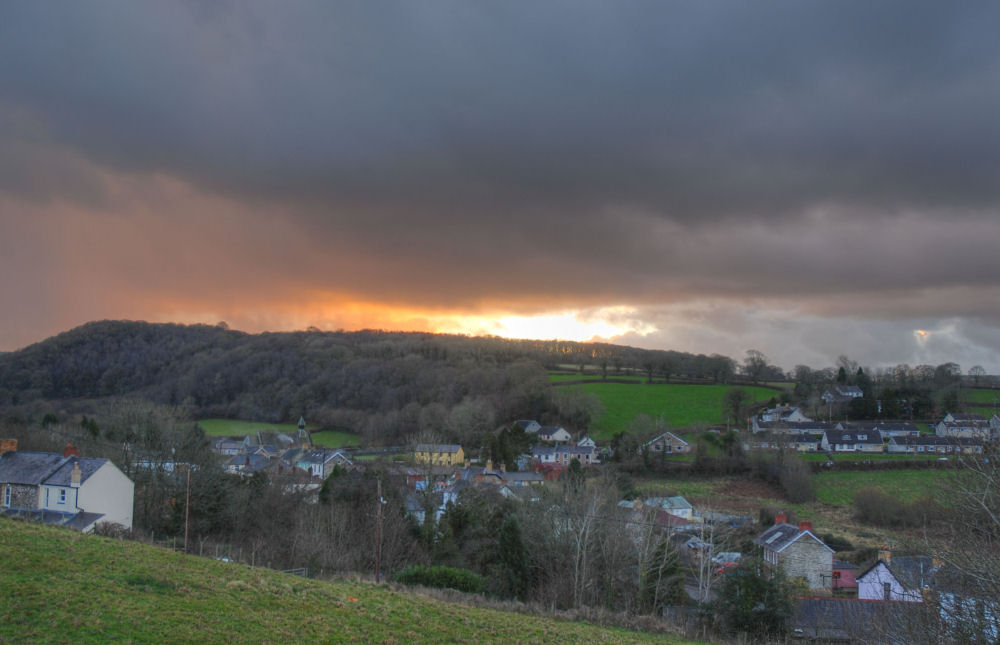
(796, 426)
(913, 572)
(962, 417)
(530, 476)
(935, 440)
(36, 468)
(548, 431)
(780, 536)
(872, 437)
(438, 447)
(851, 620)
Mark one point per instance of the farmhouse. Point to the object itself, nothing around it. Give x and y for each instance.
(799, 553)
(64, 489)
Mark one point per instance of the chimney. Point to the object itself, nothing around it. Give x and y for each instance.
(805, 525)
(70, 450)
(8, 445)
(885, 554)
(489, 465)
(74, 477)
(780, 518)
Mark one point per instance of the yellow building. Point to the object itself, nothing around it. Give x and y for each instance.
(439, 454)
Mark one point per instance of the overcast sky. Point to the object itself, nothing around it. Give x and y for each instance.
(804, 178)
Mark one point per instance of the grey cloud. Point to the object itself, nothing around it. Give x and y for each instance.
(692, 111)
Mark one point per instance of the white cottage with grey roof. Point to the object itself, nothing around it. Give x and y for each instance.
(65, 489)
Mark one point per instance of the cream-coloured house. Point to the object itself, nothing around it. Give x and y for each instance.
(439, 454)
(64, 489)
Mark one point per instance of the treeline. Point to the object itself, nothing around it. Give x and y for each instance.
(387, 386)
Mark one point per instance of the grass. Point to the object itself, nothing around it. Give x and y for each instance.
(906, 485)
(982, 396)
(560, 378)
(334, 439)
(59, 586)
(682, 406)
(237, 428)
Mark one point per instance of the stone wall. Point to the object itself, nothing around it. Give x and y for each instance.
(808, 559)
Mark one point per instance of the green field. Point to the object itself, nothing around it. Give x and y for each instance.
(237, 428)
(560, 378)
(334, 439)
(59, 586)
(982, 396)
(906, 485)
(681, 405)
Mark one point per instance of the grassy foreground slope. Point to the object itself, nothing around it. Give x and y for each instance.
(58, 586)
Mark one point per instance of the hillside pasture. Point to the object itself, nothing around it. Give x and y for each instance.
(334, 439)
(682, 406)
(59, 586)
(906, 485)
(238, 428)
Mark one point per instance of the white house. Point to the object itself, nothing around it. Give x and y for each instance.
(64, 489)
(966, 425)
(783, 413)
(897, 578)
(528, 425)
(842, 394)
(852, 441)
(553, 434)
(586, 442)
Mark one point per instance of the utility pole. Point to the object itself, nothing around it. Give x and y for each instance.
(378, 534)
(187, 508)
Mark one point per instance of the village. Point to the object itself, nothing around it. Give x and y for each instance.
(835, 597)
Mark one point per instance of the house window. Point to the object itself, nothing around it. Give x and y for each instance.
(6, 495)
(62, 496)
(887, 590)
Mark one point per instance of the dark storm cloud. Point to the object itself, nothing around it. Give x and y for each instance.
(688, 110)
(539, 155)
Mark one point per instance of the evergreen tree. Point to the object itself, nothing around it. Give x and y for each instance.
(512, 566)
(754, 600)
(662, 580)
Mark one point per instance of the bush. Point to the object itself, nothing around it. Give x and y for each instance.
(441, 577)
(874, 506)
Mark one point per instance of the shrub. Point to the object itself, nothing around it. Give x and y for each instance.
(874, 506)
(441, 577)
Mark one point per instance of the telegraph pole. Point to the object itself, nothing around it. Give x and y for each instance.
(378, 534)
(187, 508)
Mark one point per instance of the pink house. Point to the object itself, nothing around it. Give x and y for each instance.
(845, 578)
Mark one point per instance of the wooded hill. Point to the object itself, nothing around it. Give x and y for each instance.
(384, 385)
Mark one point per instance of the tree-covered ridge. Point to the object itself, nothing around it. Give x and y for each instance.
(388, 385)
